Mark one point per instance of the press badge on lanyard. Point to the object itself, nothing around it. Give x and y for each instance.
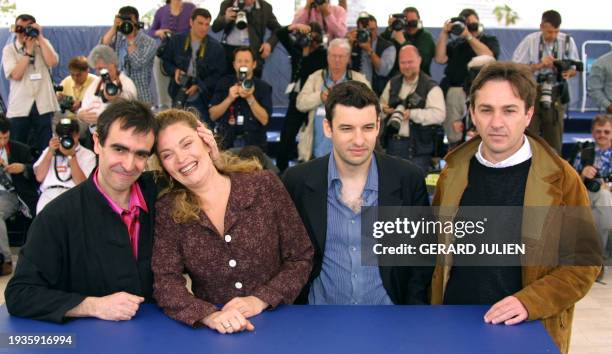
(35, 76)
(239, 119)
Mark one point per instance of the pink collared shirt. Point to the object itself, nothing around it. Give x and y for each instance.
(335, 22)
(129, 217)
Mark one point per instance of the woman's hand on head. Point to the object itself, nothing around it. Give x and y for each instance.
(209, 139)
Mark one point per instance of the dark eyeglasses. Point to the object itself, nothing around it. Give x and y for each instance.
(600, 131)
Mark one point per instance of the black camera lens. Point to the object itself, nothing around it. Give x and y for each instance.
(363, 36)
(67, 142)
(126, 27)
(247, 84)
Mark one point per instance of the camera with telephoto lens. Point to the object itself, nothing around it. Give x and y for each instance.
(546, 82)
(457, 25)
(241, 16)
(246, 83)
(65, 129)
(399, 22)
(66, 103)
(396, 117)
(412, 101)
(110, 87)
(185, 82)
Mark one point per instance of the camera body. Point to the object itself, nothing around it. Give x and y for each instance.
(185, 82)
(300, 39)
(5, 180)
(110, 87)
(31, 32)
(66, 103)
(127, 26)
(457, 25)
(246, 83)
(363, 35)
(399, 22)
(65, 130)
(318, 2)
(566, 64)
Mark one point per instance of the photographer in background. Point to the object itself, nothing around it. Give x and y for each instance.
(407, 28)
(64, 163)
(17, 186)
(242, 104)
(135, 50)
(73, 87)
(195, 61)
(371, 55)
(244, 23)
(594, 163)
(546, 52)
(600, 82)
(415, 107)
(110, 84)
(332, 18)
(31, 102)
(169, 19)
(304, 45)
(461, 39)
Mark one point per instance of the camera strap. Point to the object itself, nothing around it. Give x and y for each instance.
(57, 172)
(555, 49)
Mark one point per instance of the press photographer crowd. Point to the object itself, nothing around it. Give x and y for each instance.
(55, 137)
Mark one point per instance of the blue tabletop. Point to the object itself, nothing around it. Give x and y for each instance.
(301, 330)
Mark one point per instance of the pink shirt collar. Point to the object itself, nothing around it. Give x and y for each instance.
(136, 198)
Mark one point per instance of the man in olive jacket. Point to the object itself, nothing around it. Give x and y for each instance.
(514, 169)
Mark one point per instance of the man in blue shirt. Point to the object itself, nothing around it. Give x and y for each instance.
(329, 193)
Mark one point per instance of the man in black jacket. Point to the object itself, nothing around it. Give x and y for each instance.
(192, 59)
(17, 186)
(329, 193)
(88, 252)
(256, 16)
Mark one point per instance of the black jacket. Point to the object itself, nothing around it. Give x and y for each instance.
(25, 182)
(78, 247)
(400, 183)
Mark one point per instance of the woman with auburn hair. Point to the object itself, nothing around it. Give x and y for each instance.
(226, 223)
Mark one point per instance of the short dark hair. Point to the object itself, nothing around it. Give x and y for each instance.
(350, 94)
(25, 17)
(243, 49)
(519, 76)
(552, 17)
(129, 11)
(411, 9)
(5, 123)
(130, 114)
(465, 13)
(200, 12)
(78, 63)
